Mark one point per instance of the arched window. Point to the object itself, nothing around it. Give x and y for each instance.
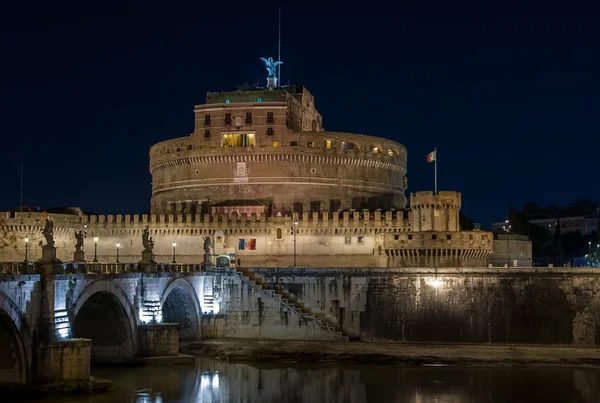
(279, 233)
(374, 148)
(349, 146)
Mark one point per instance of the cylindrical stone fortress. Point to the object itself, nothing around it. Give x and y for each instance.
(267, 148)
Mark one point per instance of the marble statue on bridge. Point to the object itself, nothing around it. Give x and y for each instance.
(48, 232)
(49, 250)
(148, 243)
(78, 255)
(206, 264)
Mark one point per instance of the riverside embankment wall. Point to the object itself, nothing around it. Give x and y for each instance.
(498, 305)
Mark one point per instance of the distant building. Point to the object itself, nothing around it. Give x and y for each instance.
(581, 216)
(511, 250)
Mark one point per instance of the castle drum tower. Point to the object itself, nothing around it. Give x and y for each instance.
(264, 150)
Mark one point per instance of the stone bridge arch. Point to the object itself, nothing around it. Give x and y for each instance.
(103, 312)
(16, 344)
(180, 304)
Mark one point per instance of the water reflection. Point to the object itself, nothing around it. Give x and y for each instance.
(211, 381)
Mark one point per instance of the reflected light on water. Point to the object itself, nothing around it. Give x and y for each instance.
(209, 381)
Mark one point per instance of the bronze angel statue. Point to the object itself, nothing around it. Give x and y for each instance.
(271, 66)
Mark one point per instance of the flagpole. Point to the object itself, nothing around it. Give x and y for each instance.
(21, 202)
(435, 171)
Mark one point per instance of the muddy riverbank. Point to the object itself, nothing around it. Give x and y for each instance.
(395, 353)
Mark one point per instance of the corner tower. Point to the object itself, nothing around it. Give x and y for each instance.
(435, 212)
(267, 146)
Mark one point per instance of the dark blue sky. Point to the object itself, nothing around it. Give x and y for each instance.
(510, 97)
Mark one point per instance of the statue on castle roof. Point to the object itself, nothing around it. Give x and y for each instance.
(78, 240)
(48, 232)
(271, 66)
(147, 240)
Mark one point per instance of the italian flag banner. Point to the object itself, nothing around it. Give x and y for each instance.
(431, 156)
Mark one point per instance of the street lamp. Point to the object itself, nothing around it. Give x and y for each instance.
(26, 248)
(174, 245)
(118, 246)
(589, 246)
(295, 231)
(95, 249)
(507, 228)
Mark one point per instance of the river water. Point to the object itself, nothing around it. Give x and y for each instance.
(209, 380)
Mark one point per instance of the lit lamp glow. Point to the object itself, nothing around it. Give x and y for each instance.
(174, 245)
(26, 248)
(118, 246)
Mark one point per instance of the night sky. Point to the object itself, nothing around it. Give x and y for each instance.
(510, 97)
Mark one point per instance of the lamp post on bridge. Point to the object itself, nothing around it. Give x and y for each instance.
(95, 249)
(118, 246)
(174, 245)
(26, 248)
(507, 228)
(295, 231)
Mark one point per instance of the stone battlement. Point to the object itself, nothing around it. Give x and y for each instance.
(364, 218)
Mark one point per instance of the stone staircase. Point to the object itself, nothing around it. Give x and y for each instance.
(293, 303)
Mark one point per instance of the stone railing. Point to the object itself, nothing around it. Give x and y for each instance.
(17, 268)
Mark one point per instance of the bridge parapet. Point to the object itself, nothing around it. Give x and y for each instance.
(16, 268)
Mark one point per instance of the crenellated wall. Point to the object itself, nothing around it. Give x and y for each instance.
(350, 238)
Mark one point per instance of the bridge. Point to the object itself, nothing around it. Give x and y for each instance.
(57, 317)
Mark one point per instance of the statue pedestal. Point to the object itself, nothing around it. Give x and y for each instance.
(147, 257)
(79, 256)
(49, 255)
(207, 266)
(271, 82)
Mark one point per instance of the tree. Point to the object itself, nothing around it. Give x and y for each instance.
(574, 244)
(541, 240)
(517, 221)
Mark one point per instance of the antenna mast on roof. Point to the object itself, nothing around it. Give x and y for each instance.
(279, 50)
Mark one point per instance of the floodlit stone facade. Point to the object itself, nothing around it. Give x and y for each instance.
(269, 145)
(261, 177)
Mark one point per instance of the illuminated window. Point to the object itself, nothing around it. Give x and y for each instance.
(392, 153)
(327, 143)
(259, 99)
(226, 101)
(310, 144)
(238, 140)
(270, 131)
(275, 144)
(373, 148)
(270, 117)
